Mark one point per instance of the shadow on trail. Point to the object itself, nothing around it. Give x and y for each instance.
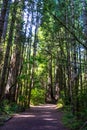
(44, 117)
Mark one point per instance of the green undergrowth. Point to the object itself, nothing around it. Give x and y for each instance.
(10, 107)
(7, 110)
(60, 104)
(4, 118)
(71, 121)
(37, 96)
(74, 122)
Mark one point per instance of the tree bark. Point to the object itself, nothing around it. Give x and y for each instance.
(2, 17)
(7, 54)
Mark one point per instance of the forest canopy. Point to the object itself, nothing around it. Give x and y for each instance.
(43, 53)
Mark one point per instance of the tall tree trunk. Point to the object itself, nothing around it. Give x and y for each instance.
(7, 54)
(50, 81)
(2, 17)
(57, 89)
(15, 66)
(85, 33)
(6, 19)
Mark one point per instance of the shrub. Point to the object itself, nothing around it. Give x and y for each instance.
(8, 108)
(71, 121)
(37, 96)
(60, 103)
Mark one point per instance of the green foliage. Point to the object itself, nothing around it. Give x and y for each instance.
(71, 121)
(8, 108)
(37, 96)
(5, 107)
(4, 118)
(83, 114)
(22, 98)
(60, 103)
(16, 108)
(77, 121)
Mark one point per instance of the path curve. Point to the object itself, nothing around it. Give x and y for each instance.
(44, 117)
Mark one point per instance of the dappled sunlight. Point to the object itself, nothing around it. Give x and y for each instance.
(49, 119)
(43, 64)
(43, 117)
(49, 106)
(45, 106)
(24, 116)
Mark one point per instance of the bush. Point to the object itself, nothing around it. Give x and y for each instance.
(60, 103)
(5, 107)
(71, 121)
(16, 108)
(9, 108)
(37, 96)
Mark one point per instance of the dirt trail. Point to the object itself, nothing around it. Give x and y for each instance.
(44, 117)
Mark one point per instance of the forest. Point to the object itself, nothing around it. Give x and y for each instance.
(43, 56)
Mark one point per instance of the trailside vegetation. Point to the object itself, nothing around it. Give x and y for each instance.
(43, 57)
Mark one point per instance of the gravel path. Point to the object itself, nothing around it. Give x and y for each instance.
(44, 117)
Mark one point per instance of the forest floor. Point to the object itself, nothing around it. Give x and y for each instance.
(43, 117)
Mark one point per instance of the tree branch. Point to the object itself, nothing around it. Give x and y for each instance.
(72, 33)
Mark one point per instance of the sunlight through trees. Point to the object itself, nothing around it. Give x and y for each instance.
(43, 53)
